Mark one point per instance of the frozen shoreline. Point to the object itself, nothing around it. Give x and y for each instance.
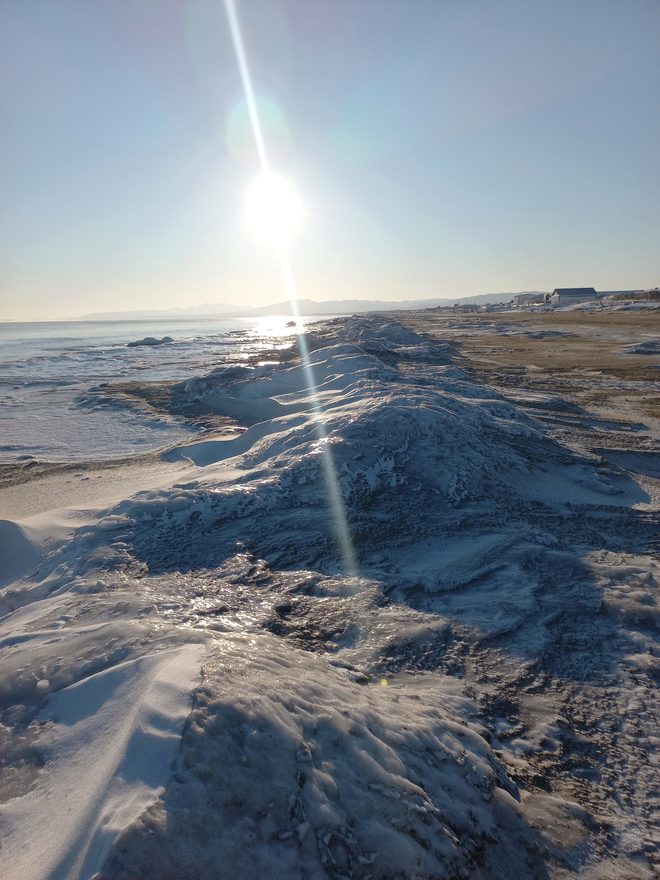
(389, 722)
(52, 405)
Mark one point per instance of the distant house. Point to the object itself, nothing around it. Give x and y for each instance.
(565, 296)
(528, 299)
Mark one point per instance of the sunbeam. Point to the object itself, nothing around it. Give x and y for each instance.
(335, 500)
(239, 49)
(274, 213)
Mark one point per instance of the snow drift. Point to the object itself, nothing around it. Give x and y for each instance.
(328, 736)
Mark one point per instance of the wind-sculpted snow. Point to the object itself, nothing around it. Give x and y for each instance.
(333, 734)
(410, 461)
(291, 769)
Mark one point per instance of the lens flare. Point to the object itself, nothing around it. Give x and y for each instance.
(275, 213)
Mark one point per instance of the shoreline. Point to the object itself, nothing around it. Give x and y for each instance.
(493, 645)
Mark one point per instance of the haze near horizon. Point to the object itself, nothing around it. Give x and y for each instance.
(442, 149)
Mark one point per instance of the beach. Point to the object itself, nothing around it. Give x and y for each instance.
(376, 600)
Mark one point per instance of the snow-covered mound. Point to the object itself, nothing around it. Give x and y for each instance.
(407, 459)
(289, 768)
(317, 568)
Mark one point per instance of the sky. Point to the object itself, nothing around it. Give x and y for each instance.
(442, 148)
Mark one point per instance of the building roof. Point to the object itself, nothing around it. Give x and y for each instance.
(575, 291)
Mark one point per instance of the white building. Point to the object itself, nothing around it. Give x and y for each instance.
(565, 296)
(528, 299)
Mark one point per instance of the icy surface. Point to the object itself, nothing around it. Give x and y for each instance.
(46, 371)
(108, 745)
(475, 700)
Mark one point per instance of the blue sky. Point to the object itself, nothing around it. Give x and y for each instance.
(443, 148)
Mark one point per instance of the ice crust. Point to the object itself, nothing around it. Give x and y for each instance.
(108, 746)
(329, 736)
(292, 769)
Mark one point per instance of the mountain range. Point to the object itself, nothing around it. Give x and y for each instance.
(305, 307)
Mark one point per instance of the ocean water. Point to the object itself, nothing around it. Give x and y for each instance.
(47, 368)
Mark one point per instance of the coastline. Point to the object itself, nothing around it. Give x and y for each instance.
(493, 647)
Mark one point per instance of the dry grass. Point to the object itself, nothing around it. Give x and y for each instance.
(587, 364)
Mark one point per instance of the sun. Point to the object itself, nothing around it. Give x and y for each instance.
(273, 210)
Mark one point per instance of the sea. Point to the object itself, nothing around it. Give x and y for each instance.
(48, 368)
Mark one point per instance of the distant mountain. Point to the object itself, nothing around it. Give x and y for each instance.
(204, 310)
(305, 307)
(344, 306)
(483, 299)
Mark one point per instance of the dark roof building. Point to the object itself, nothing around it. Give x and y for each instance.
(567, 295)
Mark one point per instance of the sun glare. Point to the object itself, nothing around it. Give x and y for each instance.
(274, 211)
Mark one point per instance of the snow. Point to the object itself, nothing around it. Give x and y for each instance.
(291, 769)
(612, 305)
(193, 678)
(19, 553)
(59, 397)
(108, 746)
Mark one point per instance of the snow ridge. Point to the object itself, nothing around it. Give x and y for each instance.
(346, 726)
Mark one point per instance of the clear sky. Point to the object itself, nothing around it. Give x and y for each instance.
(443, 148)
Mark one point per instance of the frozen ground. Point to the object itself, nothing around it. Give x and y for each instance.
(399, 627)
(52, 376)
